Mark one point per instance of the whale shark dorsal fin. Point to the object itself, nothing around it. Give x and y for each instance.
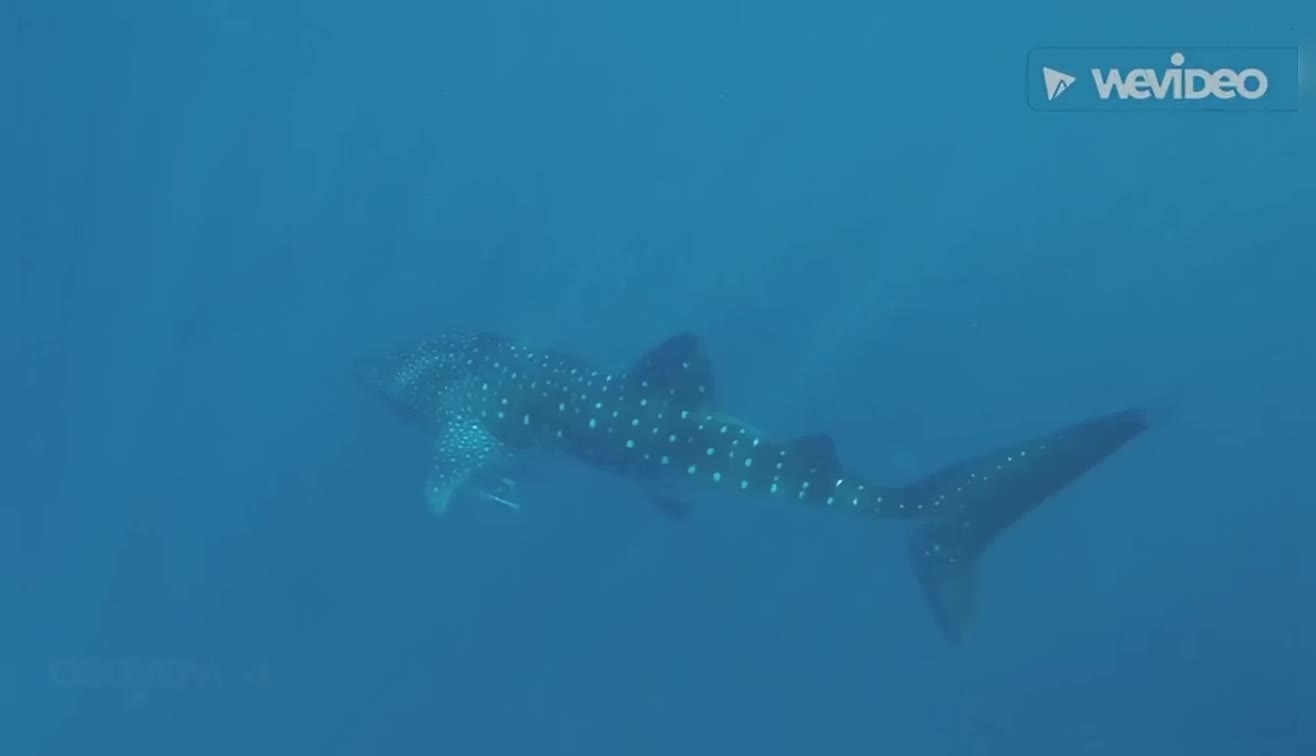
(677, 369)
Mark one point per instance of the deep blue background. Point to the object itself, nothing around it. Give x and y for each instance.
(209, 209)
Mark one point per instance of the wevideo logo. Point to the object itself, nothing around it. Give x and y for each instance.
(1056, 82)
(1127, 78)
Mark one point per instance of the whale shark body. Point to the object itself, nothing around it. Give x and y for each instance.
(487, 397)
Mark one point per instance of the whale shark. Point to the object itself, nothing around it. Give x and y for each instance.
(487, 398)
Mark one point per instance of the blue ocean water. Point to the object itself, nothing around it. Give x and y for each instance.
(212, 542)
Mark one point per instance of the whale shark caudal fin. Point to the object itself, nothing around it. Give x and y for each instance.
(971, 503)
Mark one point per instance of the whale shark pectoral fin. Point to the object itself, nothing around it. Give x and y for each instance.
(677, 369)
(461, 450)
(965, 507)
(439, 491)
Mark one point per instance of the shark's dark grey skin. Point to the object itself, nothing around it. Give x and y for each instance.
(487, 397)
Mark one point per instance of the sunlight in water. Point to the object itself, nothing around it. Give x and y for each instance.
(1306, 68)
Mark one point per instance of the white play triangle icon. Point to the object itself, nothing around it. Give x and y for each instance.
(1056, 82)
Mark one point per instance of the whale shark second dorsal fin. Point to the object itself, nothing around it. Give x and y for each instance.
(677, 370)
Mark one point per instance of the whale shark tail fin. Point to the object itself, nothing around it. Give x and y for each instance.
(966, 506)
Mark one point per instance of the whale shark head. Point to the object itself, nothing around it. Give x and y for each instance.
(415, 379)
(424, 379)
(381, 375)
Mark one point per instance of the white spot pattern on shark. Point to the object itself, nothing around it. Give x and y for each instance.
(489, 397)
